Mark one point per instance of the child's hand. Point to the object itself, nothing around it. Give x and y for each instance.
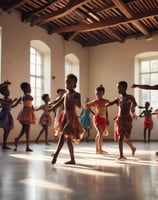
(133, 86)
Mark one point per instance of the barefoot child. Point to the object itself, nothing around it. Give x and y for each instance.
(146, 87)
(126, 104)
(6, 119)
(45, 119)
(85, 120)
(100, 119)
(58, 113)
(148, 121)
(26, 116)
(70, 127)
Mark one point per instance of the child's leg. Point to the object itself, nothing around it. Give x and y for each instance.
(59, 147)
(27, 133)
(99, 141)
(19, 136)
(46, 134)
(88, 134)
(144, 134)
(149, 134)
(133, 149)
(71, 151)
(39, 135)
(120, 142)
(5, 137)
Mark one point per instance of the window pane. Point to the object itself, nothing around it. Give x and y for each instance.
(38, 92)
(38, 59)
(154, 65)
(154, 78)
(36, 78)
(145, 66)
(148, 75)
(145, 78)
(32, 91)
(32, 82)
(32, 69)
(38, 70)
(38, 83)
(32, 58)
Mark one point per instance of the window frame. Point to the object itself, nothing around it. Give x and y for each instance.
(37, 89)
(147, 95)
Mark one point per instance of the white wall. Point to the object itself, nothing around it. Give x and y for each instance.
(115, 62)
(16, 37)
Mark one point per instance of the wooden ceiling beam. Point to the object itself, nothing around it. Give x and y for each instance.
(104, 24)
(124, 9)
(71, 6)
(14, 5)
(114, 34)
(71, 36)
(28, 16)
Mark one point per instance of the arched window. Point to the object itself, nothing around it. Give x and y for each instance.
(72, 66)
(39, 70)
(146, 72)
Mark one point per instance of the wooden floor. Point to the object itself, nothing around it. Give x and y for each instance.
(31, 176)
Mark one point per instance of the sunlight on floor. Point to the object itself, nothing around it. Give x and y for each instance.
(45, 184)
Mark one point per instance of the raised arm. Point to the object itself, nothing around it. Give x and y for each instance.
(112, 102)
(146, 87)
(16, 102)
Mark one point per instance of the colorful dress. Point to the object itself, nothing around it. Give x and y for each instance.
(122, 126)
(26, 115)
(148, 123)
(71, 126)
(99, 120)
(58, 119)
(6, 119)
(45, 118)
(85, 120)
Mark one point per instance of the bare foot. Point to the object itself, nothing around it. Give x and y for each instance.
(122, 158)
(71, 162)
(54, 159)
(101, 152)
(16, 142)
(6, 148)
(29, 150)
(133, 151)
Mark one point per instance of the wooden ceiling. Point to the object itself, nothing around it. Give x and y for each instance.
(89, 22)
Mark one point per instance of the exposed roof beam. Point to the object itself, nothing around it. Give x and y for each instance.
(71, 36)
(71, 6)
(27, 16)
(115, 35)
(124, 9)
(14, 5)
(104, 24)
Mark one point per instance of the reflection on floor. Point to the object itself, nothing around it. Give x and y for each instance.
(31, 176)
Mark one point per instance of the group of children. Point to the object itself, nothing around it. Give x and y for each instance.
(71, 129)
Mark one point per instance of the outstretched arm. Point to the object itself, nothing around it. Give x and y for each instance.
(146, 87)
(17, 101)
(112, 102)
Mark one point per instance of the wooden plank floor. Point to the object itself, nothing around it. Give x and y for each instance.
(31, 176)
